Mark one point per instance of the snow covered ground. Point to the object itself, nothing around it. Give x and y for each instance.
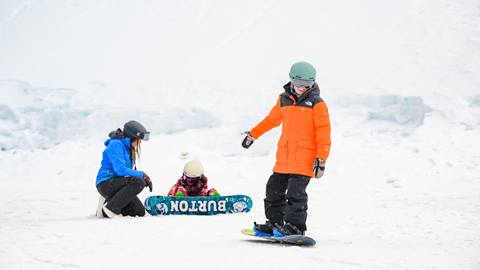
(401, 79)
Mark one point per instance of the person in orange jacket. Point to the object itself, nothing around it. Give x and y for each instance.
(303, 149)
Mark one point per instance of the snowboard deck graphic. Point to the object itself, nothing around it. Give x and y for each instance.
(298, 240)
(211, 205)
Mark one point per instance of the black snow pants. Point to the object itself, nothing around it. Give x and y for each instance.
(121, 195)
(286, 199)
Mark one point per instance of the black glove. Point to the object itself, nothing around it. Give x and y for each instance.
(248, 140)
(318, 168)
(148, 182)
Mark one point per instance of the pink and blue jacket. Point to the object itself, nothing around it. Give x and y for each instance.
(198, 189)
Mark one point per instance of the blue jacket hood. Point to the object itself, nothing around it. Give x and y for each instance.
(125, 141)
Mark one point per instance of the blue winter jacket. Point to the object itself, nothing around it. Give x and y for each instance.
(116, 161)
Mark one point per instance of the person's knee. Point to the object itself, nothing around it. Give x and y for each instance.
(137, 184)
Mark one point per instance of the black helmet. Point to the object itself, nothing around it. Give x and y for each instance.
(133, 129)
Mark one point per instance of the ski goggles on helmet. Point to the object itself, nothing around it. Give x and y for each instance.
(145, 136)
(302, 83)
(192, 180)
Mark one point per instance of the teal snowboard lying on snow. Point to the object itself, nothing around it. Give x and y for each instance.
(211, 205)
(297, 240)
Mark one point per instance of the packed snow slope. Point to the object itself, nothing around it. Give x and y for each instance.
(401, 79)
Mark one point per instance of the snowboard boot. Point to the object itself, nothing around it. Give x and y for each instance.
(101, 202)
(263, 229)
(109, 213)
(287, 229)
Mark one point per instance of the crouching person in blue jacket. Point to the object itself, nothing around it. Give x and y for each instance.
(118, 180)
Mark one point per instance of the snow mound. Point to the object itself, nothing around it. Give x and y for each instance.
(386, 113)
(475, 101)
(39, 118)
(399, 110)
(33, 118)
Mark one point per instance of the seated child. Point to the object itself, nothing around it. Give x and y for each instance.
(193, 182)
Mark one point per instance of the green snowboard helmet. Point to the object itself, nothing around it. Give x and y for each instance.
(303, 71)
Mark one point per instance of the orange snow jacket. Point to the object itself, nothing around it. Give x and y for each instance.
(305, 131)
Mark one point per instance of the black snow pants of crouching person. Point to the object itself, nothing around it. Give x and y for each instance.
(286, 199)
(121, 195)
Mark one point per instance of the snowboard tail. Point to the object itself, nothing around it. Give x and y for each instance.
(211, 205)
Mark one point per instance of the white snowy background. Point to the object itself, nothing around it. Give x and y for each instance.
(401, 79)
